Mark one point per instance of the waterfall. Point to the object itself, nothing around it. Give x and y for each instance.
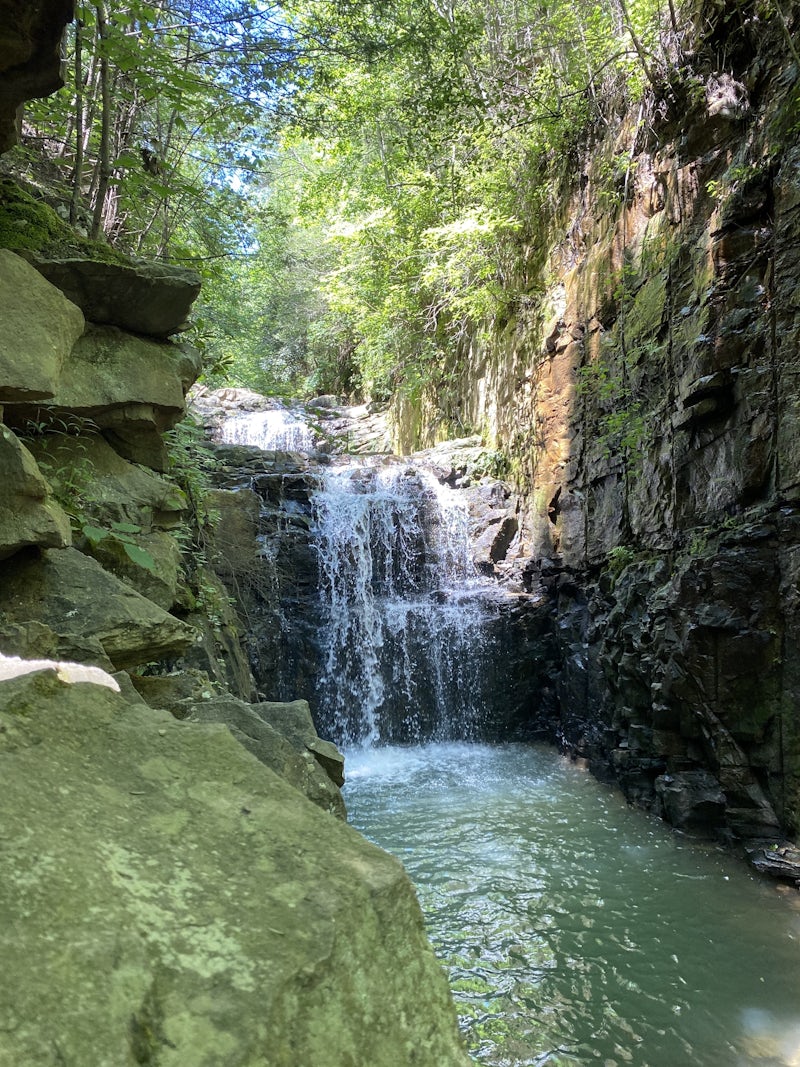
(275, 430)
(403, 637)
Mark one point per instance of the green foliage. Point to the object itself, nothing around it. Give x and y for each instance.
(491, 463)
(68, 470)
(70, 473)
(124, 535)
(699, 542)
(617, 417)
(191, 457)
(365, 187)
(433, 134)
(162, 122)
(619, 558)
(30, 225)
(26, 224)
(736, 176)
(190, 460)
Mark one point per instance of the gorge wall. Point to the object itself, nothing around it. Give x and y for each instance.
(644, 394)
(180, 883)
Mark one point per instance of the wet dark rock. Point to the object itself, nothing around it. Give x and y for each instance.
(777, 858)
(691, 799)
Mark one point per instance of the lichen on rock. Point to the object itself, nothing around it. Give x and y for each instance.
(214, 917)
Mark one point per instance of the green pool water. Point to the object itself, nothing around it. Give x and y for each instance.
(575, 929)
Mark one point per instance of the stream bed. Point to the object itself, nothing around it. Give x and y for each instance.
(576, 930)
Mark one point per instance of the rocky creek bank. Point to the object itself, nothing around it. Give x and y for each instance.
(181, 885)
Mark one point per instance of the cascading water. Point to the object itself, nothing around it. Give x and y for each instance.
(403, 629)
(277, 429)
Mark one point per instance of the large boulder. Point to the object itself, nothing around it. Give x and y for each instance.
(28, 514)
(147, 298)
(168, 899)
(151, 562)
(82, 601)
(129, 387)
(298, 764)
(40, 328)
(31, 63)
(129, 507)
(294, 720)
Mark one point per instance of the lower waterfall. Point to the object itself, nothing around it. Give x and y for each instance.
(403, 635)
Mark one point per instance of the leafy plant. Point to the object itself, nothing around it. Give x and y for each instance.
(620, 557)
(190, 459)
(492, 463)
(123, 534)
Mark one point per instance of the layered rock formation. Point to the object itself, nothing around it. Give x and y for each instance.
(643, 390)
(181, 885)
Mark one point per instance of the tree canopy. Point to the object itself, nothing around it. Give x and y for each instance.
(357, 180)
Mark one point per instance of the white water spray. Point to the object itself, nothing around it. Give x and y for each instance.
(275, 430)
(403, 638)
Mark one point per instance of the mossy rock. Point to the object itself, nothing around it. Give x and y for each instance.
(169, 900)
(30, 225)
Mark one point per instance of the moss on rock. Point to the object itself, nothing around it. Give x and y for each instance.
(30, 225)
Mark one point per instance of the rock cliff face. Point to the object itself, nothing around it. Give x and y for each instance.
(645, 394)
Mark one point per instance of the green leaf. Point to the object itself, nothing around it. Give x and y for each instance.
(94, 534)
(139, 556)
(126, 527)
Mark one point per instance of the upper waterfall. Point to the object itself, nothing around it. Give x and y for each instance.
(277, 429)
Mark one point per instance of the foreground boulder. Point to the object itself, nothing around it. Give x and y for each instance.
(169, 900)
(296, 761)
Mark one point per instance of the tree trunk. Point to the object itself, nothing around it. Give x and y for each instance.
(77, 174)
(104, 156)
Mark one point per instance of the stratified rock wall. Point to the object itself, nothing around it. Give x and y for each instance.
(646, 396)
